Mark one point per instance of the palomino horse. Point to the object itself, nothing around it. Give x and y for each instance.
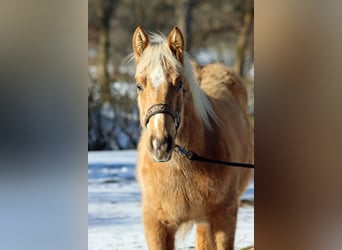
(202, 109)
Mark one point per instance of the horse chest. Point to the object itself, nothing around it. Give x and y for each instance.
(177, 193)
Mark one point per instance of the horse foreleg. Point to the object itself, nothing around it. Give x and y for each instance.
(204, 237)
(224, 225)
(157, 234)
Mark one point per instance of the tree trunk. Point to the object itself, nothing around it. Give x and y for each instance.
(183, 18)
(243, 37)
(104, 12)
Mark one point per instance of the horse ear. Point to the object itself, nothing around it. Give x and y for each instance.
(139, 42)
(175, 41)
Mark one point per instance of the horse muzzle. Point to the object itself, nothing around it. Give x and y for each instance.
(161, 149)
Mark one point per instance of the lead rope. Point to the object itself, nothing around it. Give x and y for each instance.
(192, 156)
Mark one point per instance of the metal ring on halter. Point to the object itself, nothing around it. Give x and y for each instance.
(162, 108)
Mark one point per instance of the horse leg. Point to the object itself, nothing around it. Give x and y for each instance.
(224, 225)
(157, 234)
(204, 239)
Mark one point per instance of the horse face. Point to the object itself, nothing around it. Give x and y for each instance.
(159, 81)
(160, 87)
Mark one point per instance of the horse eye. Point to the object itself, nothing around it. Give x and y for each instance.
(139, 87)
(179, 84)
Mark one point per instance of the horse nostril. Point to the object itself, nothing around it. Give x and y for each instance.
(168, 142)
(164, 144)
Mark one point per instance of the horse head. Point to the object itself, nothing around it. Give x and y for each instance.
(161, 88)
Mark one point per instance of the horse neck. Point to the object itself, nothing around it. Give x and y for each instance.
(193, 131)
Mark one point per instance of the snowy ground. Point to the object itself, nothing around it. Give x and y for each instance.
(114, 220)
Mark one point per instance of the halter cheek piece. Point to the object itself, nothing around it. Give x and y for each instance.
(162, 109)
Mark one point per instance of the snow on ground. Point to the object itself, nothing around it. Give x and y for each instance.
(114, 219)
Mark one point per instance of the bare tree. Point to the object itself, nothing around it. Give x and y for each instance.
(244, 36)
(183, 10)
(104, 11)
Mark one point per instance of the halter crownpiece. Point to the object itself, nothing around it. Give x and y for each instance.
(162, 108)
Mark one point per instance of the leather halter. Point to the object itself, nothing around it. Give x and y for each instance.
(162, 108)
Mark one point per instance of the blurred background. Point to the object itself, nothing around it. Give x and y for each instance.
(215, 31)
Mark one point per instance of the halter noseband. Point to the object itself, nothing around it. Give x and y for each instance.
(162, 109)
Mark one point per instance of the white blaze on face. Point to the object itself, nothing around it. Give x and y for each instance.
(157, 76)
(156, 125)
(157, 120)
